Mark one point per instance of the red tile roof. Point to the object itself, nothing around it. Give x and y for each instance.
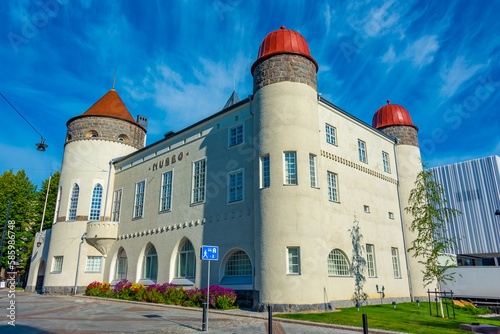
(110, 105)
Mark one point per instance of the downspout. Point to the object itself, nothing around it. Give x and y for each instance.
(107, 190)
(78, 263)
(250, 105)
(402, 223)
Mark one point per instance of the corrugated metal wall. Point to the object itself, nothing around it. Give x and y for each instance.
(473, 187)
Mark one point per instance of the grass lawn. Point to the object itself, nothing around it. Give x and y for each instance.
(407, 317)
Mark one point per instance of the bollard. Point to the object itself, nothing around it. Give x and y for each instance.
(204, 318)
(365, 324)
(270, 318)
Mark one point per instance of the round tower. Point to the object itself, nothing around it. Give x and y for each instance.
(104, 132)
(286, 132)
(395, 120)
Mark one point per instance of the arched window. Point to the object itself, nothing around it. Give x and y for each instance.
(95, 208)
(91, 134)
(124, 138)
(73, 202)
(338, 264)
(121, 265)
(238, 264)
(186, 260)
(150, 269)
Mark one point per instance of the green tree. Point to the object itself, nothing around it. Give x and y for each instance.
(22, 211)
(430, 212)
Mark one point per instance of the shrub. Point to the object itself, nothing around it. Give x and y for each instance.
(220, 298)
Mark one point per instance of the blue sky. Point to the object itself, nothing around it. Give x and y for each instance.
(178, 61)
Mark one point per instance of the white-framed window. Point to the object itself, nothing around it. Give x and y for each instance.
(199, 180)
(333, 191)
(362, 151)
(94, 264)
(366, 208)
(186, 263)
(57, 264)
(290, 168)
(338, 264)
(385, 159)
(117, 204)
(265, 171)
(238, 264)
(331, 134)
(370, 260)
(73, 202)
(235, 186)
(121, 265)
(395, 262)
(140, 188)
(391, 215)
(166, 191)
(293, 264)
(150, 263)
(312, 170)
(95, 207)
(235, 135)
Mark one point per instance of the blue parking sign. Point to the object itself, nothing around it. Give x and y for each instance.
(210, 253)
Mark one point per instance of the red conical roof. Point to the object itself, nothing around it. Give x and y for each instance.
(283, 41)
(391, 114)
(110, 105)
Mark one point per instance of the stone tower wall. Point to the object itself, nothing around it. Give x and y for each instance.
(106, 128)
(284, 67)
(407, 134)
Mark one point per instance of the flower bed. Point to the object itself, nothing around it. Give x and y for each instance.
(220, 298)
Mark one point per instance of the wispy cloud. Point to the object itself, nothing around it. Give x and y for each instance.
(454, 75)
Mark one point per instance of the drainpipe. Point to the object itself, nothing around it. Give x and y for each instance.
(78, 263)
(107, 190)
(402, 223)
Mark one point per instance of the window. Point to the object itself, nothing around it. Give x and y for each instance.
(265, 171)
(312, 170)
(199, 170)
(95, 207)
(139, 199)
(391, 215)
(117, 203)
(166, 191)
(366, 208)
(94, 264)
(333, 193)
(121, 266)
(57, 264)
(370, 260)
(236, 135)
(338, 265)
(331, 134)
(150, 266)
(73, 202)
(235, 186)
(385, 159)
(395, 262)
(293, 261)
(290, 168)
(186, 260)
(362, 151)
(238, 264)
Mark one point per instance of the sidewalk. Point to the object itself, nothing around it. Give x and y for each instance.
(69, 314)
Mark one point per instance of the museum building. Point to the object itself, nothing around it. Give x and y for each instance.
(277, 181)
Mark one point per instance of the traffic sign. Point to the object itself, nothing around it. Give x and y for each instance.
(210, 253)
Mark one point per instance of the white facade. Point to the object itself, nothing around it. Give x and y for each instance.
(276, 181)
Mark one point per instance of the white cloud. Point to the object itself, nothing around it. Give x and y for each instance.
(422, 51)
(455, 75)
(389, 56)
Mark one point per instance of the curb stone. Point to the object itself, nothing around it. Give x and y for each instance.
(229, 313)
